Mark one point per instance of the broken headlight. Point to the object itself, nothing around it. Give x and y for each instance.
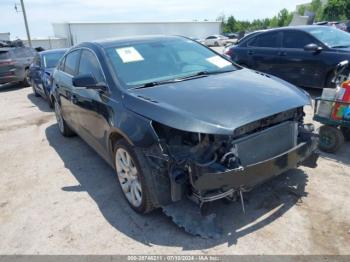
(186, 148)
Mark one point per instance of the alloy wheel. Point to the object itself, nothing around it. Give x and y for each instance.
(128, 177)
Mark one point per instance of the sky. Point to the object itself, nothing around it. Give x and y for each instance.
(41, 13)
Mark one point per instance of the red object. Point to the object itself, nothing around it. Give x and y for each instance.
(344, 96)
(229, 52)
(7, 62)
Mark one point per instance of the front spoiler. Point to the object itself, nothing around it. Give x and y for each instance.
(206, 179)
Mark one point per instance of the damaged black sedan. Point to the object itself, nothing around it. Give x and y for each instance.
(179, 122)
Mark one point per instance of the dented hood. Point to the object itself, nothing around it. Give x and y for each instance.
(216, 104)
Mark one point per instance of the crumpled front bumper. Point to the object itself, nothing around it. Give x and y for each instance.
(207, 179)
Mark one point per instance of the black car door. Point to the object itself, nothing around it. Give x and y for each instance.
(298, 66)
(65, 88)
(263, 52)
(92, 104)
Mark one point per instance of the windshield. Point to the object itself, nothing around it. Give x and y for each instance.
(50, 60)
(152, 61)
(330, 36)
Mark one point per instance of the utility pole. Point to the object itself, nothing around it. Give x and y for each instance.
(26, 23)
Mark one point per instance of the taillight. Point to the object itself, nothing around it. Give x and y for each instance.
(229, 52)
(7, 62)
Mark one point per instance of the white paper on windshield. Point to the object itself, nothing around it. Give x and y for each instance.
(129, 54)
(218, 61)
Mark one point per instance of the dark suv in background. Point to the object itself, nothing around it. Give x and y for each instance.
(14, 63)
(304, 55)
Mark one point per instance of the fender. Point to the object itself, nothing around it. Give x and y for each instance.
(134, 128)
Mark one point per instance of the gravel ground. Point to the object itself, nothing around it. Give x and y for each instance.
(57, 196)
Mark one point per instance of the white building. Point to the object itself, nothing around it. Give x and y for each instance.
(48, 42)
(80, 32)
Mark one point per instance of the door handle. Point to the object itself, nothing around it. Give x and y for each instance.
(250, 52)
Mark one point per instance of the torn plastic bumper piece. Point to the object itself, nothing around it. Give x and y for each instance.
(187, 215)
(207, 178)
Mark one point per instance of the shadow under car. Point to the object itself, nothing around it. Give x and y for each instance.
(265, 204)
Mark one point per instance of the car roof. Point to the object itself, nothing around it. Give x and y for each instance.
(105, 43)
(298, 27)
(52, 51)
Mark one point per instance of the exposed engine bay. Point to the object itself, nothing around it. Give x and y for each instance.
(190, 154)
(204, 168)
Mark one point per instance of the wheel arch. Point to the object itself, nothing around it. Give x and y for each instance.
(114, 136)
(137, 131)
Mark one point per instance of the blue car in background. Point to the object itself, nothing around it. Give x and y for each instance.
(302, 55)
(41, 70)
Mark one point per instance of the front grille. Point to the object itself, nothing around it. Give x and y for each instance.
(255, 126)
(268, 143)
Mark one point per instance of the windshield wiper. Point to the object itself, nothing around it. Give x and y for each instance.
(341, 46)
(180, 79)
(206, 73)
(156, 83)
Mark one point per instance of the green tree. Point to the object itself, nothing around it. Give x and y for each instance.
(283, 18)
(301, 10)
(231, 24)
(273, 22)
(337, 10)
(315, 6)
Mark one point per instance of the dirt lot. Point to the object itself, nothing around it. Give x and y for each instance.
(58, 197)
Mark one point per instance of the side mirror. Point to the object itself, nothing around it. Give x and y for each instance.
(87, 81)
(313, 48)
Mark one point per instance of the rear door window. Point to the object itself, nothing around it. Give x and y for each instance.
(296, 39)
(272, 40)
(71, 62)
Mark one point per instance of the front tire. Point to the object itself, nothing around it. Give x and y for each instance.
(131, 178)
(26, 80)
(65, 130)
